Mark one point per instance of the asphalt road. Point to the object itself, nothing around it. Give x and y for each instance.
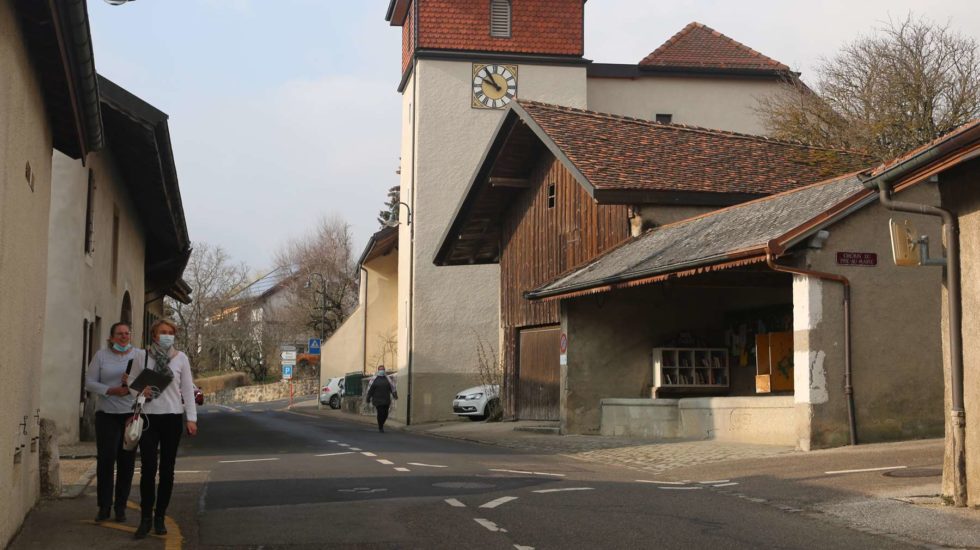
(258, 477)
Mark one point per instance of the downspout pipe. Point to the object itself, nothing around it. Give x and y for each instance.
(364, 364)
(846, 284)
(957, 411)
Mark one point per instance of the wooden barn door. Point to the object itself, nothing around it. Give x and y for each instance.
(538, 379)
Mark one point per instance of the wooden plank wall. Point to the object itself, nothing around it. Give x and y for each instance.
(539, 243)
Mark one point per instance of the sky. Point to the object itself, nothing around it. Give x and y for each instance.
(286, 111)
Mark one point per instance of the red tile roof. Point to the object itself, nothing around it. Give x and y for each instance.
(550, 27)
(698, 46)
(625, 154)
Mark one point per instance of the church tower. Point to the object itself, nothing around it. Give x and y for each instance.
(463, 62)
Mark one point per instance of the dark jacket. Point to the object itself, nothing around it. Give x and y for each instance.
(381, 391)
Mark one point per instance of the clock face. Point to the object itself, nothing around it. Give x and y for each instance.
(494, 86)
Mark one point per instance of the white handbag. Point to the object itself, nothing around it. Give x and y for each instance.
(134, 426)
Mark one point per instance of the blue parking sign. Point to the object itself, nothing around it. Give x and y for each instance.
(287, 372)
(314, 346)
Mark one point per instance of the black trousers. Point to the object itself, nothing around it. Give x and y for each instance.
(382, 414)
(111, 456)
(163, 432)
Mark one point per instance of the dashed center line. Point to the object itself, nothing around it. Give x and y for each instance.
(455, 503)
(866, 470)
(525, 472)
(355, 449)
(490, 526)
(385, 462)
(427, 465)
(343, 444)
(497, 502)
(681, 488)
(248, 460)
(337, 454)
(660, 482)
(726, 484)
(715, 481)
(365, 453)
(331, 441)
(402, 470)
(565, 489)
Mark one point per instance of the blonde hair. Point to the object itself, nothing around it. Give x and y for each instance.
(159, 323)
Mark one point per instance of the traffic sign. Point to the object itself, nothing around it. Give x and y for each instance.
(287, 372)
(314, 346)
(288, 356)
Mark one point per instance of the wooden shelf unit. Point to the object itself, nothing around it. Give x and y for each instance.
(690, 368)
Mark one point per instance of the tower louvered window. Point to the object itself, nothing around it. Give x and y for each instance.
(500, 18)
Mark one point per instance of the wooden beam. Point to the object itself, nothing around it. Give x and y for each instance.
(521, 183)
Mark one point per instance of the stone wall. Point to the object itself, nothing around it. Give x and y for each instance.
(262, 393)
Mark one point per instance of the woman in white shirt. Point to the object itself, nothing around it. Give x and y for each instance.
(106, 377)
(164, 415)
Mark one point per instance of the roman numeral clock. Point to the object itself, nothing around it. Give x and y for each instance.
(494, 86)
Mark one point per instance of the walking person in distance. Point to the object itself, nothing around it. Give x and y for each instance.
(381, 391)
(106, 377)
(164, 417)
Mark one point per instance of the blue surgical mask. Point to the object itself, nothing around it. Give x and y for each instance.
(121, 349)
(166, 341)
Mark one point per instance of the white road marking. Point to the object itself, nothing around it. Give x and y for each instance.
(510, 471)
(343, 444)
(519, 547)
(715, 481)
(227, 408)
(681, 488)
(726, 484)
(331, 441)
(365, 453)
(866, 470)
(426, 465)
(565, 489)
(491, 526)
(248, 460)
(402, 470)
(547, 474)
(660, 482)
(337, 454)
(355, 449)
(191, 471)
(361, 490)
(385, 462)
(497, 502)
(455, 503)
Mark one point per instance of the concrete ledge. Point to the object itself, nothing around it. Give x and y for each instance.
(769, 420)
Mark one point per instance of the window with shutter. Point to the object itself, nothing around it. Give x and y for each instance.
(500, 18)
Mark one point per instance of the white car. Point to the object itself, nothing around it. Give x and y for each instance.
(477, 403)
(331, 392)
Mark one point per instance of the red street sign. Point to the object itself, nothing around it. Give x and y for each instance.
(563, 343)
(864, 259)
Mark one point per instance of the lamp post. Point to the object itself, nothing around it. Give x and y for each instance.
(310, 283)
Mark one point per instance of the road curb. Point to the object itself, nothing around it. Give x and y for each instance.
(76, 489)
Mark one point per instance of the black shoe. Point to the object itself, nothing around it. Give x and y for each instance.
(143, 529)
(103, 514)
(159, 527)
(120, 515)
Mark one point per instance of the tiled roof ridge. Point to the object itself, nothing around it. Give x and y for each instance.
(696, 25)
(685, 127)
(884, 166)
(650, 231)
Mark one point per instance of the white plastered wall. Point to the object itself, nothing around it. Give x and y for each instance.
(711, 102)
(25, 139)
(80, 285)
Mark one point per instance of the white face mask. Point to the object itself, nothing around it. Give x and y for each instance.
(166, 341)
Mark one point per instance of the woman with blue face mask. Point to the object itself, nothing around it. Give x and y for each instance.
(164, 415)
(106, 377)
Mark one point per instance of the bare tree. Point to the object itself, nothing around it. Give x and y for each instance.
(323, 292)
(213, 278)
(905, 85)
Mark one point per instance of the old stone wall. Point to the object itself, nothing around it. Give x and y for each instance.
(262, 393)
